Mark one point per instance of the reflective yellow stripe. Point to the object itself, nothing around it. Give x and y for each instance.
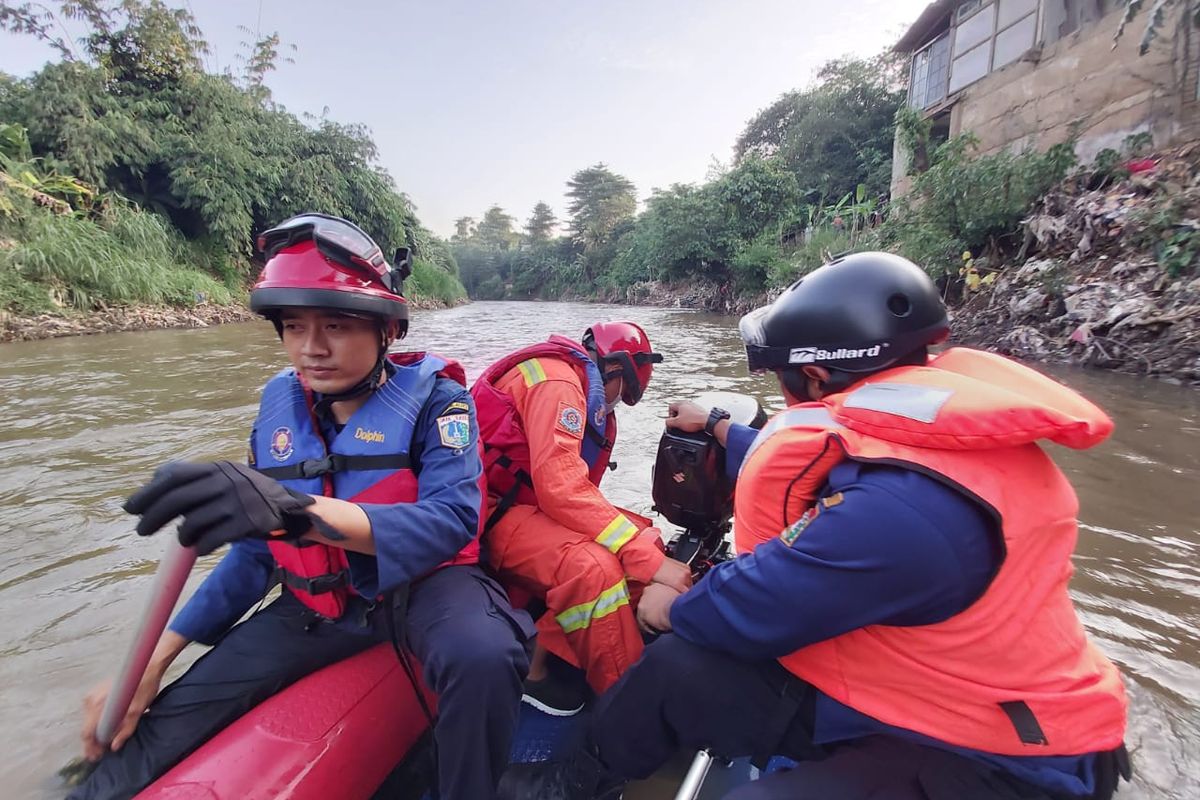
(576, 618)
(532, 371)
(617, 533)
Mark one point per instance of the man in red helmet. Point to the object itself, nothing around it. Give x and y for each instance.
(546, 416)
(363, 497)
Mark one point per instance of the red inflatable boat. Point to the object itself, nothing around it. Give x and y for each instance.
(308, 741)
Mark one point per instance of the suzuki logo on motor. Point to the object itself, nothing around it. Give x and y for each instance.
(811, 355)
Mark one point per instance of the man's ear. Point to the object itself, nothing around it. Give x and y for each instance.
(818, 374)
(391, 331)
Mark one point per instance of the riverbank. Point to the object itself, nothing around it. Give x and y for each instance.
(698, 296)
(18, 328)
(1128, 316)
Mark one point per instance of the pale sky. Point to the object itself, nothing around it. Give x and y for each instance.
(474, 103)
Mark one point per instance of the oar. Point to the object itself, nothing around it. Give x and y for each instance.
(169, 579)
(694, 780)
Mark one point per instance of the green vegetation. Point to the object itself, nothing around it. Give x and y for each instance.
(125, 164)
(119, 256)
(808, 179)
(965, 202)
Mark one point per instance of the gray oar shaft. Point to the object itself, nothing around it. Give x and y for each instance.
(169, 580)
(694, 780)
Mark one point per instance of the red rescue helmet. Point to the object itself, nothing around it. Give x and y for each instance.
(320, 261)
(623, 343)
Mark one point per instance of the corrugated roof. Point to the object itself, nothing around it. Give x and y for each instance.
(926, 26)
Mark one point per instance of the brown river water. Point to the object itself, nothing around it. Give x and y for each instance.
(84, 421)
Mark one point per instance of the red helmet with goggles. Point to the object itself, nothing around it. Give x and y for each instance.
(319, 261)
(626, 344)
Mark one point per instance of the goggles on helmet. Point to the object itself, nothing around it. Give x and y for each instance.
(341, 241)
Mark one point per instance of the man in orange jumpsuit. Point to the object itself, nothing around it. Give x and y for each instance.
(547, 422)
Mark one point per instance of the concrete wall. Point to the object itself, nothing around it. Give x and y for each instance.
(1081, 82)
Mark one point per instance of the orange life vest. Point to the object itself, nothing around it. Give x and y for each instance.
(1014, 673)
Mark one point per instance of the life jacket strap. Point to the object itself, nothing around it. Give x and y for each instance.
(1024, 721)
(521, 478)
(335, 462)
(598, 438)
(319, 584)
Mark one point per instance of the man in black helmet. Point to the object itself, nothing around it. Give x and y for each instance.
(897, 620)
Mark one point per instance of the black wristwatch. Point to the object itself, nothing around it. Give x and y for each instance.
(715, 416)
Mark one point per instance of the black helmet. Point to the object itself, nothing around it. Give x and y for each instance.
(858, 314)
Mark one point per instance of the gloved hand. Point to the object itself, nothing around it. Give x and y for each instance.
(220, 503)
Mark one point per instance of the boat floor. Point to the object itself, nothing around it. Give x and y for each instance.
(543, 737)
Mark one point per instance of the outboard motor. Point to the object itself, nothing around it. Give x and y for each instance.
(692, 489)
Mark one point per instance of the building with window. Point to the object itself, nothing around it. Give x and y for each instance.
(1027, 73)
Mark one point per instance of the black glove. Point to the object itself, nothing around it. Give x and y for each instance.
(220, 503)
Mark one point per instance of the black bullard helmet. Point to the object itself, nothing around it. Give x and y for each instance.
(858, 314)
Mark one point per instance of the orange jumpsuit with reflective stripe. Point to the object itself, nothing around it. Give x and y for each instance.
(574, 548)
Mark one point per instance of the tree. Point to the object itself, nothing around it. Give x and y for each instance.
(464, 228)
(837, 134)
(683, 233)
(495, 230)
(136, 114)
(600, 201)
(262, 59)
(757, 192)
(540, 225)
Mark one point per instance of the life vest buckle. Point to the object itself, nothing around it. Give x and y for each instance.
(316, 467)
(319, 584)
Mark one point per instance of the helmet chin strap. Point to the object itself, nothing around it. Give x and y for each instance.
(324, 402)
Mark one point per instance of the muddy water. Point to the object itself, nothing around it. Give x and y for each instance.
(83, 421)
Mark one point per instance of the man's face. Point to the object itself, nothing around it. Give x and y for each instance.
(613, 384)
(331, 351)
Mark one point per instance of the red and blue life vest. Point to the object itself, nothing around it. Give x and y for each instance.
(369, 461)
(506, 450)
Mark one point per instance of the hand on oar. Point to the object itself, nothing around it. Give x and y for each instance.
(93, 705)
(220, 503)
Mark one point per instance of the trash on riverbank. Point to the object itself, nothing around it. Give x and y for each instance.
(1113, 282)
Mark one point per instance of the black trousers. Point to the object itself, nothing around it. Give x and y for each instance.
(471, 644)
(679, 695)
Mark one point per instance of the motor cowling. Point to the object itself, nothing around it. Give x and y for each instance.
(691, 486)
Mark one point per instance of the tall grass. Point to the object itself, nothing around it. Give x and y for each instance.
(124, 256)
(431, 282)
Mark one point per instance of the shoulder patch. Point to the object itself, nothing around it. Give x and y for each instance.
(454, 430)
(570, 420)
(792, 532)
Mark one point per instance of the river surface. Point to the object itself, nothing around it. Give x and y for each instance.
(84, 421)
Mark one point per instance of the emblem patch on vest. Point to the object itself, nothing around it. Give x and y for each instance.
(570, 419)
(599, 417)
(282, 444)
(454, 430)
(792, 532)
